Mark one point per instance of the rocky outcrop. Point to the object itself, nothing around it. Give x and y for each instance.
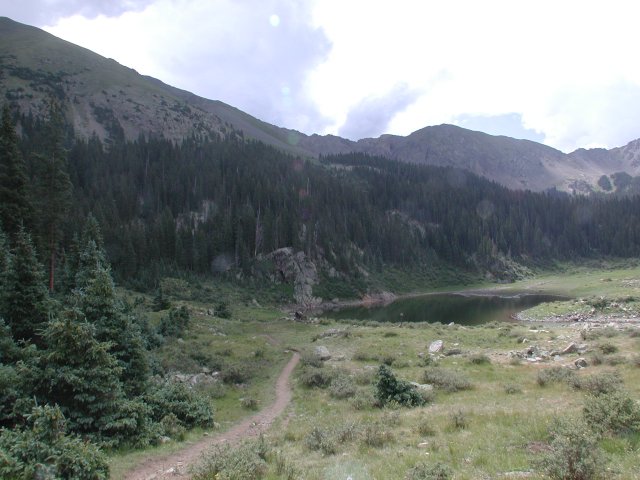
(296, 268)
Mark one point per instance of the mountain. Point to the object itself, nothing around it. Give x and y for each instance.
(115, 102)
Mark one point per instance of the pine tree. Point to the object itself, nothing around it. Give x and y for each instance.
(15, 207)
(95, 295)
(81, 376)
(53, 189)
(25, 301)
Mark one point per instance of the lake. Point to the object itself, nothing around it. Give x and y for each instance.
(461, 308)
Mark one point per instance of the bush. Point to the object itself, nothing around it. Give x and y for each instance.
(172, 427)
(375, 435)
(225, 462)
(612, 412)
(555, 375)
(601, 383)
(363, 400)
(366, 377)
(608, 348)
(342, 387)
(574, 453)
(512, 389)
(315, 377)
(448, 380)
(175, 323)
(234, 374)
(424, 471)
(310, 359)
(44, 450)
(479, 359)
(425, 428)
(189, 406)
(389, 388)
(321, 440)
(249, 403)
(459, 420)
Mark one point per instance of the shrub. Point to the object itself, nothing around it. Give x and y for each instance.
(448, 380)
(363, 400)
(311, 359)
(614, 360)
(283, 468)
(596, 358)
(555, 375)
(389, 388)
(249, 403)
(608, 348)
(512, 389)
(175, 323)
(425, 471)
(315, 377)
(347, 432)
(425, 428)
(189, 406)
(459, 420)
(342, 387)
(226, 462)
(321, 440)
(574, 453)
(44, 450)
(600, 383)
(365, 377)
(234, 374)
(172, 427)
(375, 435)
(479, 359)
(612, 412)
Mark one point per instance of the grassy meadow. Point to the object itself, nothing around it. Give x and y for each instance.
(488, 415)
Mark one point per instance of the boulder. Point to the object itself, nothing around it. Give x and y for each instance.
(425, 387)
(581, 363)
(571, 348)
(436, 346)
(322, 352)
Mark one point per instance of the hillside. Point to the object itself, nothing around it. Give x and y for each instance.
(116, 103)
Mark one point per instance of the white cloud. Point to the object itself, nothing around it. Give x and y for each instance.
(567, 69)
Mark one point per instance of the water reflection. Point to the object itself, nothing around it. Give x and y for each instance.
(464, 309)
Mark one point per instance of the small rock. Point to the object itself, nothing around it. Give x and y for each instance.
(420, 354)
(164, 440)
(322, 352)
(581, 363)
(436, 346)
(571, 348)
(557, 358)
(425, 387)
(423, 444)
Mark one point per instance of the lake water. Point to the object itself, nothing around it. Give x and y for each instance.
(463, 309)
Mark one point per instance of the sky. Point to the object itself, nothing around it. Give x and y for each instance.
(564, 73)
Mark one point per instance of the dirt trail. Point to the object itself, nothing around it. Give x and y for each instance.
(177, 464)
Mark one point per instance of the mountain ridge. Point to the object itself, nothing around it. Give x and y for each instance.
(115, 102)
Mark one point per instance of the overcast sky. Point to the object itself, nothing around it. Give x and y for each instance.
(564, 73)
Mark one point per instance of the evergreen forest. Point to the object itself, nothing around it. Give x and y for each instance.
(76, 359)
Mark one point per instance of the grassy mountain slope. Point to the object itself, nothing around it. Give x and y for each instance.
(115, 102)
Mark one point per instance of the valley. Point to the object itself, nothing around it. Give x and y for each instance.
(169, 263)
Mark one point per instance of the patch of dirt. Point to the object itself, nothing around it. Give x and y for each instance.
(177, 464)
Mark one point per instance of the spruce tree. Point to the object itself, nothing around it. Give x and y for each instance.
(15, 206)
(95, 295)
(53, 188)
(25, 294)
(81, 376)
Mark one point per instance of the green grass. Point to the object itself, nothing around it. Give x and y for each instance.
(506, 411)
